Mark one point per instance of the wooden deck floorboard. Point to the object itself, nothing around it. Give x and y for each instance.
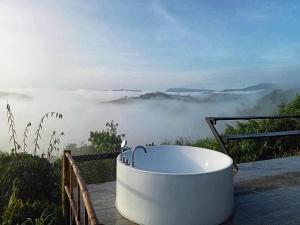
(266, 192)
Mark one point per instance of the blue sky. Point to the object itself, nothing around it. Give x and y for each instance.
(148, 44)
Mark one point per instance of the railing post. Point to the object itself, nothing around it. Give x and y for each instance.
(86, 220)
(65, 182)
(78, 201)
(211, 123)
(71, 193)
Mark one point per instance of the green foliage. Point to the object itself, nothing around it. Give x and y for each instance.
(292, 108)
(19, 212)
(108, 139)
(209, 143)
(54, 140)
(25, 136)
(12, 130)
(42, 220)
(253, 150)
(179, 141)
(53, 144)
(28, 185)
(13, 207)
(183, 141)
(40, 127)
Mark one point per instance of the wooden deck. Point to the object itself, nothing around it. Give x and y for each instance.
(266, 192)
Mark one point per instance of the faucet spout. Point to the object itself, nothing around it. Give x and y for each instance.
(133, 152)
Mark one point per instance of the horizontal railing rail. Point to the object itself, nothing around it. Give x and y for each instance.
(98, 156)
(215, 119)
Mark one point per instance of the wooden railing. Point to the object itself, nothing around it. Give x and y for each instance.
(72, 181)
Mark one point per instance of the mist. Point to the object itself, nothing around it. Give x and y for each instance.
(143, 122)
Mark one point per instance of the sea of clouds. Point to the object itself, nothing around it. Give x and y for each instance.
(143, 121)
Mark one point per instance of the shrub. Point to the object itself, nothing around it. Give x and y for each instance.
(32, 180)
(108, 139)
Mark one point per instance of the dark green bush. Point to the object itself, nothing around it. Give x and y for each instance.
(18, 211)
(33, 180)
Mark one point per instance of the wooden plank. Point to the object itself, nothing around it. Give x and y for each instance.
(103, 199)
(266, 192)
(261, 135)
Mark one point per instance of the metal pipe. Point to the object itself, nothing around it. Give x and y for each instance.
(133, 152)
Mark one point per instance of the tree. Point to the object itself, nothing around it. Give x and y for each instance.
(107, 139)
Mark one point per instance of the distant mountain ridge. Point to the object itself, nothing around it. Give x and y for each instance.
(129, 90)
(206, 96)
(153, 96)
(258, 87)
(182, 90)
(174, 97)
(14, 94)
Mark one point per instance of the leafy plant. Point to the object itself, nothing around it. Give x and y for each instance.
(42, 220)
(12, 129)
(13, 207)
(25, 136)
(40, 127)
(53, 143)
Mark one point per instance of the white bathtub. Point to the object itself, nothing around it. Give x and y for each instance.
(173, 185)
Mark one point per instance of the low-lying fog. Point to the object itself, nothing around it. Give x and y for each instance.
(143, 121)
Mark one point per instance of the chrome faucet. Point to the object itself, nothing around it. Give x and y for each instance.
(133, 152)
(123, 146)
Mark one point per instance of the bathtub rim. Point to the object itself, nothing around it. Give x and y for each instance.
(230, 163)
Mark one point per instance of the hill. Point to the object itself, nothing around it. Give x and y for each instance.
(160, 96)
(258, 87)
